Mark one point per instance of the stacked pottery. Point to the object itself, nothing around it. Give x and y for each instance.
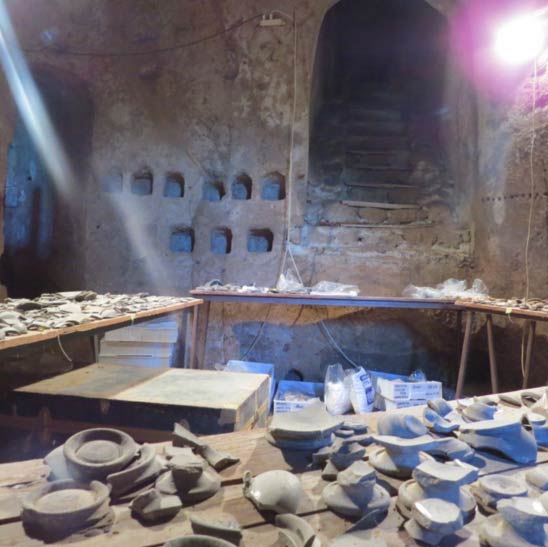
(505, 436)
(356, 493)
(432, 520)
(537, 424)
(62, 507)
(106, 455)
(432, 479)
(491, 489)
(190, 478)
(342, 458)
(520, 522)
(310, 428)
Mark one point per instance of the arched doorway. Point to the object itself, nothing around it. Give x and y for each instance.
(377, 106)
(43, 231)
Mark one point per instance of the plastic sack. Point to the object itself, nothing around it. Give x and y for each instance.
(362, 393)
(336, 392)
(451, 288)
(339, 289)
(289, 283)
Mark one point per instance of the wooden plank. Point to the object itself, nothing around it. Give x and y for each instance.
(501, 310)
(96, 326)
(380, 205)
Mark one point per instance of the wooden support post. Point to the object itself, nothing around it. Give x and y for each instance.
(531, 331)
(202, 323)
(190, 337)
(492, 357)
(464, 354)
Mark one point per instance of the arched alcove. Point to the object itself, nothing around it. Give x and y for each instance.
(43, 228)
(377, 103)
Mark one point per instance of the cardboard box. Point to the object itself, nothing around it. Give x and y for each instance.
(255, 368)
(400, 390)
(382, 403)
(309, 390)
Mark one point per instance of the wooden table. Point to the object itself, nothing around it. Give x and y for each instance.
(470, 308)
(144, 401)
(290, 299)
(256, 455)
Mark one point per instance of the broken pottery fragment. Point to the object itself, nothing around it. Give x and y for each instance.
(530, 398)
(436, 423)
(224, 527)
(183, 437)
(538, 426)
(489, 490)
(505, 436)
(400, 425)
(511, 400)
(295, 532)
(538, 478)
(356, 492)
(357, 428)
(278, 491)
(153, 506)
(398, 457)
(171, 451)
(432, 479)
(145, 468)
(189, 478)
(342, 458)
(344, 433)
(93, 454)
(478, 412)
(62, 507)
(432, 520)
(58, 465)
(350, 539)
(487, 400)
(218, 459)
(520, 522)
(198, 541)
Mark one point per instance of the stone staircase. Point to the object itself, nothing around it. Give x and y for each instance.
(368, 134)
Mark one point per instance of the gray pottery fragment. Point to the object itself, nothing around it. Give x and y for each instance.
(489, 490)
(153, 506)
(509, 399)
(520, 522)
(183, 437)
(62, 507)
(478, 412)
(58, 464)
(93, 454)
(436, 423)
(224, 527)
(356, 492)
(401, 425)
(432, 520)
(189, 490)
(505, 436)
(218, 459)
(538, 478)
(296, 532)
(445, 481)
(278, 491)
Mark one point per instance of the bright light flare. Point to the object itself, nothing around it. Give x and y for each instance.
(520, 40)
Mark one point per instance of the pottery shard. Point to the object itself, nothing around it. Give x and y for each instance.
(172, 451)
(401, 425)
(218, 459)
(224, 526)
(152, 506)
(538, 477)
(438, 516)
(433, 473)
(186, 469)
(183, 437)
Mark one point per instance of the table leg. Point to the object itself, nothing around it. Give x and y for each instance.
(531, 331)
(190, 342)
(492, 357)
(464, 354)
(458, 340)
(202, 321)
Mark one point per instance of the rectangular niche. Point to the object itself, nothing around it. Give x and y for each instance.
(214, 190)
(221, 241)
(174, 185)
(273, 187)
(142, 182)
(182, 240)
(113, 182)
(241, 187)
(260, 241)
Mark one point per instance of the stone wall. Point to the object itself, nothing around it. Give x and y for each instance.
(190, 177)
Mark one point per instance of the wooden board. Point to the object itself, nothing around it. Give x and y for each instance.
(501, 310)
(139, 396)
(94, 327)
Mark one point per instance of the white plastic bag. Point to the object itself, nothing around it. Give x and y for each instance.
(336, 392)
(362, 393)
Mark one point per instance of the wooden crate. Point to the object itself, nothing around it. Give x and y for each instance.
(132, 396)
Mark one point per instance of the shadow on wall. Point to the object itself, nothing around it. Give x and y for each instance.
(43, 234)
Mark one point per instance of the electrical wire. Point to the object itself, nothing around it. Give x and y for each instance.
(153, 51)
(531, 205)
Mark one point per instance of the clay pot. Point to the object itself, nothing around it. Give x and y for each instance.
(93, 454)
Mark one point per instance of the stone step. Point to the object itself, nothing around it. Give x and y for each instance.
(368, 94)
(382, 159)
(363, 113)
(376, 142)
(358, 176)
(383, 195)
(375, 128)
